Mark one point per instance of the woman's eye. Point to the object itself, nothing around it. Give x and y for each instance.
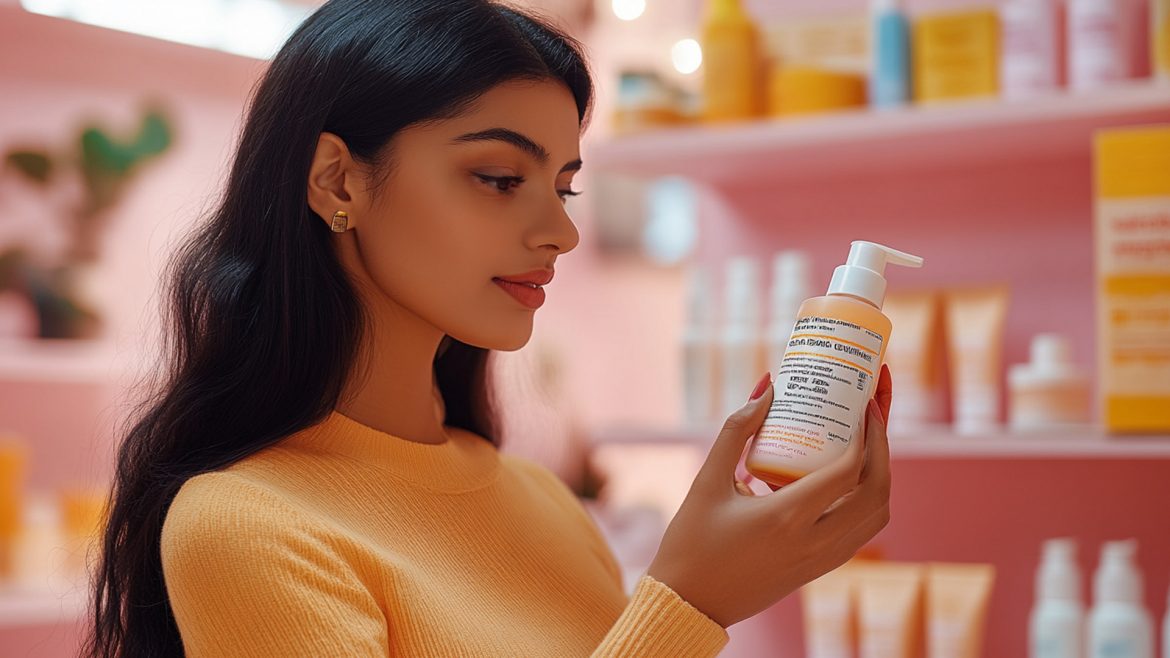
(501, 183)
(565, 194)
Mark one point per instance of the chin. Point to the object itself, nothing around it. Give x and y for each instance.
(509, 337)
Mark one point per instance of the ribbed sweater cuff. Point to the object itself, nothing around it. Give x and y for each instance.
(659, 622)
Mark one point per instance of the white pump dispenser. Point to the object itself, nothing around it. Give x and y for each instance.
(1119, 624)
(829, 370)
(1056, 625)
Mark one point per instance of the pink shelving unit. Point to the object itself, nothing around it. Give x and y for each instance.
(986, 191)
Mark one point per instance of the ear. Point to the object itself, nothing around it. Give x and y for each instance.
(335, 181)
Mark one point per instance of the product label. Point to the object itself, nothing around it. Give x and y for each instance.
(823, 385)
(1134, 262)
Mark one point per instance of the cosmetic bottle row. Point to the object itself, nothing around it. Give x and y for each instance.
(873, 608)
(1117, 626)
(889, 58)
(44, 537)
(945, 355)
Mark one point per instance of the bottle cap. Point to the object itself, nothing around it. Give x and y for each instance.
(863, 274)
(1117, 577)
(1059, 576)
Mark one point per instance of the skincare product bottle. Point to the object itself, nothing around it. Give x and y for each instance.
(1132, 187)
(955, 54)
(889, 84)
(700, 350)
(829, 371)
(741, 358)
(975, 319)
(1050, 392)
(790, 287)
(1096, 52)
(1160, 38)
(1030, 47)
(733, 63)
(1119, 624)
(1056, 625)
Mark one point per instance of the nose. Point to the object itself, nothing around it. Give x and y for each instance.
(556, 230)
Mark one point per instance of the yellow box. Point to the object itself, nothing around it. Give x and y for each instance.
(809, 90)
(955, 55)
(1132, 235)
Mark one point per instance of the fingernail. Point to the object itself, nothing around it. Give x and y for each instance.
(762, 386)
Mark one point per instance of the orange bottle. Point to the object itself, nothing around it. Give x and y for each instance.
(733, 64)
(829, 370)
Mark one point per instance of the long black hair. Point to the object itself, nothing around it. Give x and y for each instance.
(262, 328)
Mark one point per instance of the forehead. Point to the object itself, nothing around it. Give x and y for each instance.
(545, 111)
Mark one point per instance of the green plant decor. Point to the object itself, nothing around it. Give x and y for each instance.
(107, 166)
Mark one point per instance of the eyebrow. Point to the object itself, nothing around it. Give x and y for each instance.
(520, 141)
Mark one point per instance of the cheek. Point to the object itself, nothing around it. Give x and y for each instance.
(434, 250)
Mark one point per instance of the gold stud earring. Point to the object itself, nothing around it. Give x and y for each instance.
(340, 221)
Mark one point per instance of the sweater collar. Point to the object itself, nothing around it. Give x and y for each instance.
(465, 461)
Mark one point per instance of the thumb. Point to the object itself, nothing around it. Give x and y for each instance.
(726, 451)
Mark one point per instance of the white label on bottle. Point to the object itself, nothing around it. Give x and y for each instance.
(822, 388)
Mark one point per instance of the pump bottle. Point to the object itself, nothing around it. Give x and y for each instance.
(1119, 624)
(829, 370)
(1056, 625)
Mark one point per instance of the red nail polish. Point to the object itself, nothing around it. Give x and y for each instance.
(762, 386)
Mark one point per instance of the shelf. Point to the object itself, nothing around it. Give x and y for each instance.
(65, 361)
(20, 607)
(943, 443)
(960, 133)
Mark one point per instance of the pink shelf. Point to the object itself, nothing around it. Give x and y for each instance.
(944, 444)
(952, 135)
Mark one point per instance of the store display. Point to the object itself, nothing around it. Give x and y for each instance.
(957, 598)
(975, 320)
(1095, 43)
(829, 371)
(1050, 392)
(1133, 277)
(890, 610)
(733, 63)
(700, 349)
(956, 55)
(802, 90)
(790, 287)
(1056, 623)
(1119, 624)
(829, 613)
(741, 358)
(1031, 53)
(889, 83)
(916, 356)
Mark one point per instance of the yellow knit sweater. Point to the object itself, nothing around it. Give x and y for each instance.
(342, 540)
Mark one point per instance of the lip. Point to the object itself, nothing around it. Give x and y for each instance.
(520, 286)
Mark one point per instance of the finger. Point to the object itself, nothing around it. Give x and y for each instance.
(719, 467)
(885, 392)
(819, 489)
(877, 461)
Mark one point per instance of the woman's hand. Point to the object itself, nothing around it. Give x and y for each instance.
(732, 554)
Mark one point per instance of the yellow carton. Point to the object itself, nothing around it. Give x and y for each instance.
(956, 55)
(1132, 170)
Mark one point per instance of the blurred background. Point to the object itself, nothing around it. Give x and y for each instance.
(1021, 147)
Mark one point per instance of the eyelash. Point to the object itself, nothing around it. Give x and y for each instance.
(505, 184)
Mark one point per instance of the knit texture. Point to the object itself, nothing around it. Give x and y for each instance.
(341, 540)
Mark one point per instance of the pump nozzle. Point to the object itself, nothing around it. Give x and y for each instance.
(863, 274)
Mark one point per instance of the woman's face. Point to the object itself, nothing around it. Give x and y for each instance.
(471, 200)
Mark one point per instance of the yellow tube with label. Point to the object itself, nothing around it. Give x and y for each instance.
(890, 610)
(957, 596)
(975, 328)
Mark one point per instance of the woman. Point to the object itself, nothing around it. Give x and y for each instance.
(319, 475)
